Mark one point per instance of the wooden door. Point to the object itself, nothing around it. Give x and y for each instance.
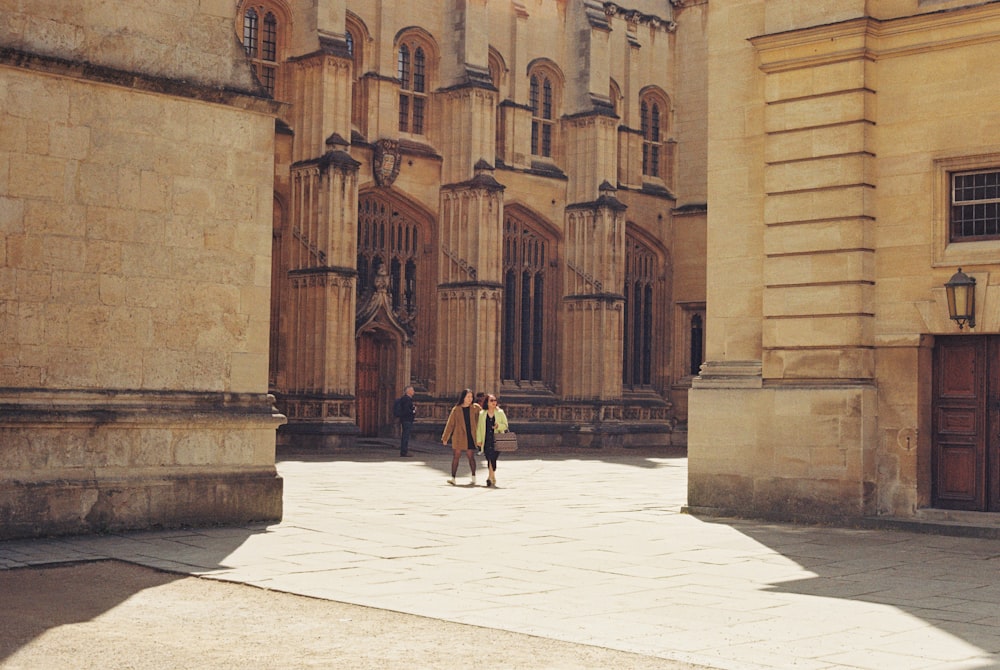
(368, 386)
(965, 457)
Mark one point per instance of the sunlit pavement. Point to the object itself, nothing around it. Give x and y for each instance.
(591, 548)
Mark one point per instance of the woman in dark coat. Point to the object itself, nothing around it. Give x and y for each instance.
(460, 429)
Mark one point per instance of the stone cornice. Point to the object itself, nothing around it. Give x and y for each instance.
(635, 17)
(876, 39)
(255, 101)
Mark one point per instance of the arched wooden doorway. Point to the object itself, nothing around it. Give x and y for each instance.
(383, 360)
(376, 382)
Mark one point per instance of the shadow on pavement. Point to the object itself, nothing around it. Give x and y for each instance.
(386, 449)
(39, 599)
(952, 583)
(43, 597)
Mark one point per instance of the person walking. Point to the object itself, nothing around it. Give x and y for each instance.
(407, 413)
(459, 429)
(492, 420)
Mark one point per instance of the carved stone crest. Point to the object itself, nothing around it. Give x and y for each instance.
(386, 162)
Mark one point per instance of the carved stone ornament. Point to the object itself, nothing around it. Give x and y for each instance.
(386, 162)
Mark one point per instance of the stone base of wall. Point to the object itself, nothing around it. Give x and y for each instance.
(777, 499)
(86, 461)
(45, 508)
(543, 422)
(794, 452)
(317, 435)
(571, 436)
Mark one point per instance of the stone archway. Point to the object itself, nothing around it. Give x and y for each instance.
(383, 360)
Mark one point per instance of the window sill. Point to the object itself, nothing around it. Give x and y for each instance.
(986, 252)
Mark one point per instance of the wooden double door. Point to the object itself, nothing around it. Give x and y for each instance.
(965, 455)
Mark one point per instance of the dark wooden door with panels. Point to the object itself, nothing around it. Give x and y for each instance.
(965, 454)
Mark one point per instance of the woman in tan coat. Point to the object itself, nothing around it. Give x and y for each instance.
(460, 429)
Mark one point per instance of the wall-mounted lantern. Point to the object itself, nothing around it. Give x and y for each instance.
(961, 291)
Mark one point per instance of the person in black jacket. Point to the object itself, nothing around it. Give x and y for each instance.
(407, 412)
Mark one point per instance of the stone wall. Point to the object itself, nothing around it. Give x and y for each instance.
(833, 129)
(135, 211)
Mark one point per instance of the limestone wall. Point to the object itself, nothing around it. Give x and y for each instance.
(135, 212)
(832, 132)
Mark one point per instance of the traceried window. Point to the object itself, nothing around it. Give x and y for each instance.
(543, 97)
(412, 71)
(640, 304)
(388, 238)
(652, 114)
(261, 43)
(975, 206)
(525, 259)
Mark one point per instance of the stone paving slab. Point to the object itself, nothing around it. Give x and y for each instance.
(592, 548)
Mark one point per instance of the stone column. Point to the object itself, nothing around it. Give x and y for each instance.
(783, 416)
(593, 303)
(470, 289)
(319, 325)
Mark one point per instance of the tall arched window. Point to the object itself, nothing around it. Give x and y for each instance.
(412, 70)
(640, 303)
(261, 41)
(388, 238)
(543, 98)
(525, 263)
(615, 93)
(497, 74)
(356, 36)
(653, 115)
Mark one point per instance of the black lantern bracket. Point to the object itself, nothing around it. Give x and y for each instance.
(961, 292)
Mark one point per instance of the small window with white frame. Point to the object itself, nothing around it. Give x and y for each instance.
(974, 213)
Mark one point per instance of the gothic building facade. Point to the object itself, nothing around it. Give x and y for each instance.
(502, 196)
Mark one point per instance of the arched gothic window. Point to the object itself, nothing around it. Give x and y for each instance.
(543, 98)
(412, 63)
(640, 302)
(497, 70)
(615, 93)
(650, 112)
(356, 36)
(525, 265)
(261, 41)
(653, 115)
(388, 238)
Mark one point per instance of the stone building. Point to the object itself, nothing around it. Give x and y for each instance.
(854, 163)
(136, 169)
(503, 196)
(507, 195)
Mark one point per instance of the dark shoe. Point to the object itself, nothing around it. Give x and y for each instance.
(488, 483)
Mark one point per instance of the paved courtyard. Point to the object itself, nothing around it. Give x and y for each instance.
(590, 548)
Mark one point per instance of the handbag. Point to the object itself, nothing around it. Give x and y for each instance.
(505, 441)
